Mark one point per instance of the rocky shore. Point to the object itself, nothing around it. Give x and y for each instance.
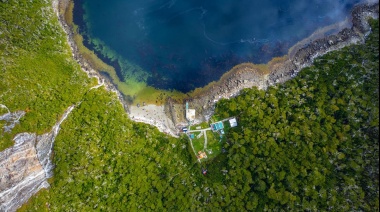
(171, 117)
(62, 5)
(156, 117)
(287, 67)
(25, 167)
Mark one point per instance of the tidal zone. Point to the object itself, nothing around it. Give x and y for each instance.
(135, 82)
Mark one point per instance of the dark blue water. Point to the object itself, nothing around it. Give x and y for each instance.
(186, 44)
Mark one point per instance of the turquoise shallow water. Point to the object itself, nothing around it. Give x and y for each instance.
(183, 45)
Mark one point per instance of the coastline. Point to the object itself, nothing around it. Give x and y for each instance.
(156, 114)
(168, 118)
(60, 7)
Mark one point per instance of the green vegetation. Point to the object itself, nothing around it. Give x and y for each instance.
(37, 72)
(104, 161)
(211, 142)
(198, 143)
(214, 144)
(309, 144)
(203, 125)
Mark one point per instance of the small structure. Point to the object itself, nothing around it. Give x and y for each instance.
(190, 113)
(217, 126)
(233, 122)
(201, 155)
(204, 171)
(192, 136)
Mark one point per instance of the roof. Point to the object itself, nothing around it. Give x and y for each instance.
(217, 126)
(233, 122)
(190, 114)
(202, 155)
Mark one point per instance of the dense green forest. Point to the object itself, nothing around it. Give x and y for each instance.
(37, 73)
(311, 143)
(105, 161)
(308, 144)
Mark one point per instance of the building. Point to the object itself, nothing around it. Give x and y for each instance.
(233, 122)
(217, 126)
(201, 155)
(190, 113)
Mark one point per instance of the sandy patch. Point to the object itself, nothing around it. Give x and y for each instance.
(153, 115)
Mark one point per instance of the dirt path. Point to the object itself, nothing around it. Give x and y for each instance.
(204, 135)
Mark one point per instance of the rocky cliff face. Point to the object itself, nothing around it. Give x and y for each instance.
(25, 167)
(21, 173)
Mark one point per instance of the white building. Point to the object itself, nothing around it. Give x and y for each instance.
(233, 122)
(190, 114)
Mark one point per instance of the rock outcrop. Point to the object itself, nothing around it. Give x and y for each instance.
(288, 67)
(25, 167)
(21, 173)
(10, 118)
(305, 56)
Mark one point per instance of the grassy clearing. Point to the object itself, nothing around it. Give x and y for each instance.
(198, 143)
(214, 144)
(215, 140)
(202, 125)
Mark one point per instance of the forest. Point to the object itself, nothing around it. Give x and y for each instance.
(311, 143)
(308, 144)
(37, 73)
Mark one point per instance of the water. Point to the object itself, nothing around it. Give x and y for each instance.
(186, 44)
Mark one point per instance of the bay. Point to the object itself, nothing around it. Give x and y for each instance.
(186, 44)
